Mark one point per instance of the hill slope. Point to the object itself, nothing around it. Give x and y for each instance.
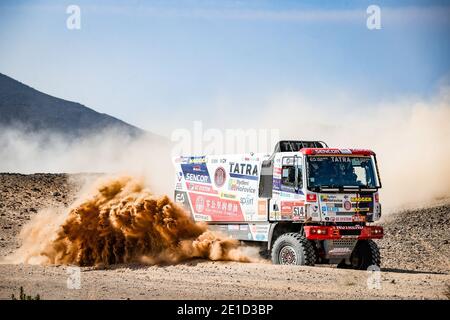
(28, 109)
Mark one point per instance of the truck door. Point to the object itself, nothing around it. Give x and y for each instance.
(287, 201)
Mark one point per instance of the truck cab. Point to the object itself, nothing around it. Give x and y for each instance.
(331, 193)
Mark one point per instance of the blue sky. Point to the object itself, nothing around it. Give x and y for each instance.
(162, 64)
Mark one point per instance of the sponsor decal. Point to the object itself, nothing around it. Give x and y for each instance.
(276, 184)
(341, 159)
(357, 227)
(288, 206)
(330, 209)
(342, 219)
(250, 158)
(299, 211)
(180, 197)
(220, 177)
(233, 227)
(286, 189)
(181, 160)
(225, 195)
(326, 151)
(277, 171)
(361, 199)
(200, 188)
(196, 172)
(178, 186)
(260, 237)
(262, 207)
(264, 228)
(291, 190)
(240, 185)
(247, 200)
(358, 218)
(201, 159)
(201, 217)
(329, 198)
(243, 227)
(347, 205)
(217, 208)
(339, 251)
(200, 204)
(244, 170)
(272, 215)
(362, 209)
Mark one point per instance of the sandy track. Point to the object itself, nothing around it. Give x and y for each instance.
(220, 280)
(420, 275)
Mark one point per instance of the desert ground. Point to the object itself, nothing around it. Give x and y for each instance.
(415, 260)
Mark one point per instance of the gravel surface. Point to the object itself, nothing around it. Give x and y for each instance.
(415, 260)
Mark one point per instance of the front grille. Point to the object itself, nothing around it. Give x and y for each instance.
(344, 243)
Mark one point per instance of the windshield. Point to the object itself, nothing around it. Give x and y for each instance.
(341, 171)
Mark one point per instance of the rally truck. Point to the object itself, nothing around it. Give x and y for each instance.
(305, 203)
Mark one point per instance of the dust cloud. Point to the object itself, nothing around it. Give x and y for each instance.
(109, 151)
(122, 222)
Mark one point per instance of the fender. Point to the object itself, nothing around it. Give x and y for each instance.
(270, 235)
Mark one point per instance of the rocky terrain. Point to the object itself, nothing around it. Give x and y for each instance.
(417, 240)
(415, 253)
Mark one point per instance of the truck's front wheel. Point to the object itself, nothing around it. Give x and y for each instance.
(293, 248)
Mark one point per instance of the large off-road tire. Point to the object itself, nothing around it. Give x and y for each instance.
(365, 254)
(293, 248)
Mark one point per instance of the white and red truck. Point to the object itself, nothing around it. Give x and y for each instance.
(305, 203)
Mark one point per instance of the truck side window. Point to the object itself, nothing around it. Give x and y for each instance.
(288, 177)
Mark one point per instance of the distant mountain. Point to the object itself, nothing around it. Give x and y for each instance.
(33, 111)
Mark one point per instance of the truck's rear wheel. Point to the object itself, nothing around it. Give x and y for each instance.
(365, 254)
(293, 248)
